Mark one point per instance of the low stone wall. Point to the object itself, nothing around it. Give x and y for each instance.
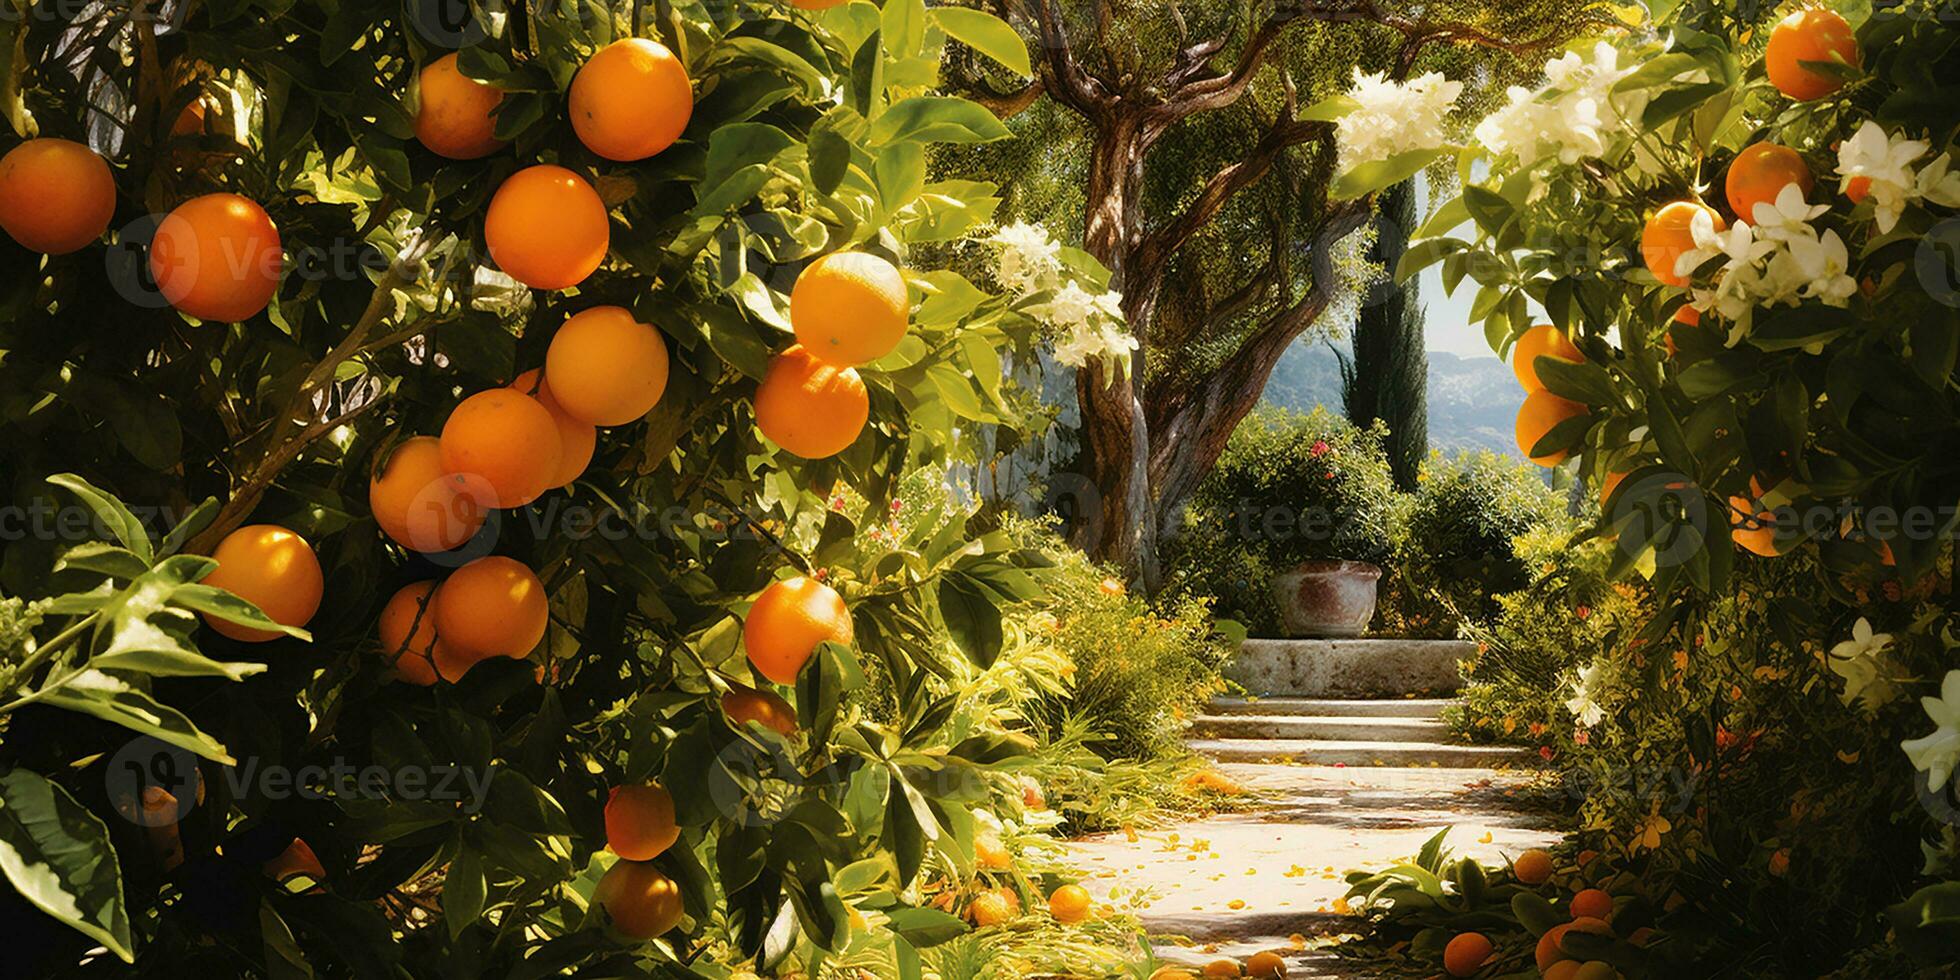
(1349, 668)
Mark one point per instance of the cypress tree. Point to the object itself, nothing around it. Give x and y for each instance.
(1387, 378)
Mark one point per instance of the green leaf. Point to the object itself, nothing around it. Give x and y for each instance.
(217, 602)
(1378, 175)
(972, 619)
(925, 928)
(112, 699)
(987, 34)
(103, 558)
(463, 890)
(1329, 109)
(904, 27)
(1424, 254)
(830, 159)
(937, 119)
(57, 855)
(110, 512)
(1585, 382)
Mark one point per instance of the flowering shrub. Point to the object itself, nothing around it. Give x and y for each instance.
(1048, 281)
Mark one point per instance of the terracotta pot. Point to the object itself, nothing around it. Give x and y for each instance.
(1326, 598)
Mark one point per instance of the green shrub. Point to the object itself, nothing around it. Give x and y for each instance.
(1290, 487)
(1454, 555)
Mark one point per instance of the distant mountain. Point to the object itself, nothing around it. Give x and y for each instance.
(1473, 401)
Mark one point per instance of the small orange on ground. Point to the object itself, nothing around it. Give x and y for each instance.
(408, 638)
(746, 704)
(605, 367)
(1811, 34)
(811, 408)
(547, 227)
(453, 112)
(1669, 235)
(492, 607)
(269, 567)
(422, 507)
(1533, 867)
(640, 822)
(989, 908)
(1069, 904)
(1592, 903)
(850, 308)
(1266, 965)
(1541, 412)
(1466, 954)
(643, 903)
(1212, 781)
(631, 100)
(1111, 586)
(506, 439)
(577, 438)
(1543, 340)
(1759, 174)
(56, 195)
(1222, 968)
(297, 859)
(787, 622)
(217, 257)
(992, 855)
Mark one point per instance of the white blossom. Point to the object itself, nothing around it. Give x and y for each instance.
(1939, 182)
(1885, 161)
(1789, 216)
(1824, 263)
(1030, 259)
(1938, 754)
(1574, 116)
(1583, 704)
(1859, 661)
(1393, 118)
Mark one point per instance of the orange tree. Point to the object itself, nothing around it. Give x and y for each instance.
(486, 354)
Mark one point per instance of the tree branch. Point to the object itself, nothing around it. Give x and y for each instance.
(1158, 246)
(1062, 74)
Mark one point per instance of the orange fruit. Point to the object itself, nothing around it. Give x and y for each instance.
(1592, 903)
(1759, 173)
(1222, 968)
(1596, 970)
(746, 704)
(297, 859)
(640, 822)
(850, 308)
(1562, 970)
(1069, 904)
(1669, 235)
(576, 437)
(271, 568)
(989, 908)
(408, 638)
(605, 367)
(420, 506)
(1688, 315)
(546, 227)
(1607, 486)
(1810, 34)
(508, 440)
(56, 195)
(453, 112)
(492, 607)
(787, 622)
(631, 100)
(1543, 340)
(1857, 189)
(1533, 867)
(643, 903)
(991, 854)
(217, 257)
(1549, 949)
(190, 119)
(810, 408)
(1753, 527)
(1266, 965)
(1642, 936)
(1541, 412)
(1466, 954)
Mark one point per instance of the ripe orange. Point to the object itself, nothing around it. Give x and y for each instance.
(297, 859)
(1562, 970)
(55, 195)
(1541, 412)
(1549, 951)
(643, 903)
(1759, 173)
(1543, 340)
(217, 257)
(991, 854)
(1466, 954)
(1592, 903)
(421, 507)
(640, 822)
(190, 119)
(787, 622)
(850, 308)
(1596, 970)
(1668, 236)
(1753, 526)
(1222, 968)
(453, 111)
(269, 567)
(631, 100)
(1069, 904)
(606, 367)
(408, 638)
(1533, 867)
(1266, 965)
(810, 408)
(1687, 315)
(492, 607)
(989, 908)
(506, 439)
(547, 228)
(746, 704)
(576, 437)
(1810, 34)
(1607, 486)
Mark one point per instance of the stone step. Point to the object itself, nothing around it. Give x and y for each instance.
(1339, 729)
(1349, 668)
(1320, 707)
(1329, 752)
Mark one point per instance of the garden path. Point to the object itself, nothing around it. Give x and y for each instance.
(1341, 783)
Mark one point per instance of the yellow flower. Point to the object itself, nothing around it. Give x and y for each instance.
(1648, 835)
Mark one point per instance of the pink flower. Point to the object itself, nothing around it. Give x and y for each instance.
(1580, 736)
(1320, 448)
(1545, 753)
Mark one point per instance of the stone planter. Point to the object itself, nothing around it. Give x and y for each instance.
(1326, 598)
